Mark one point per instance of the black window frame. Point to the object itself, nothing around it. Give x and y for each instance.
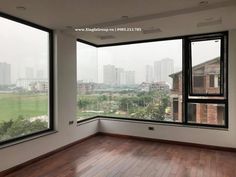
(223, 42)
(50, 80)
(221, 98)
(223, 35)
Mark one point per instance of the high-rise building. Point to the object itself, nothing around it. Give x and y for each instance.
(157, 71)
(122, 78)
(162, 70)
(29, 73)
(5, 74)
(109, 74)
(149, 73)
(130, 77)
(117, 76)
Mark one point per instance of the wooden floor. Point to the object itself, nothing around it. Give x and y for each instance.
(106, 156)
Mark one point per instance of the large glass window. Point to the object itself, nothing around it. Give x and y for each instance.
(131, 81)
(25, 60)
(182, 80)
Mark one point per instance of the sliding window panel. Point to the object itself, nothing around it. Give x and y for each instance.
(206, 65)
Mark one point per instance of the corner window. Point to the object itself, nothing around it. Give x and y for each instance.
(136, 81)
(181, 80)
(26, 100)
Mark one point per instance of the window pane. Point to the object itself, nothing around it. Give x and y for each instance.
(24, 79)
(87, 82)
(206, 67)
(142, 81)
(202, 113)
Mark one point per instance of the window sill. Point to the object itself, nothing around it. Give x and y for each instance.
(164, 123)
(85, 121)
(175, 124)
(28, 138)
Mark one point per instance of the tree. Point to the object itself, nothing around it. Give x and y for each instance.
(83, 103)
(140, 114)
(20, 126)
(4, 126)
(127, 104)
(154, 110)
(102, 98)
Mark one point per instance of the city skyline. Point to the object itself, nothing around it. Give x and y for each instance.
(30, 73)
(34, 54)
(90, 60)
(33, 80)
(117, 76)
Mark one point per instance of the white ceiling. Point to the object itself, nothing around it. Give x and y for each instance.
(172, 17)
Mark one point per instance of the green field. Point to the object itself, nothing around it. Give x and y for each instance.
(27, 105)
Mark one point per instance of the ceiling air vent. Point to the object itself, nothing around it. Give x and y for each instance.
(151, 30)
(210, 23)
(105, 37)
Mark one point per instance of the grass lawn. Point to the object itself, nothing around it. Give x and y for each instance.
(26, 104)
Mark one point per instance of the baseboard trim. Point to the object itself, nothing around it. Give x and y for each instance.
(17, 167)
(220, 148)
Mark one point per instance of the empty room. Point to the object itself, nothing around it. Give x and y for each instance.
(112, 88)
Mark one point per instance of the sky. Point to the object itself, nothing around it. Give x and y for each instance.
(129, 57)
(90, 60)
(23, 47)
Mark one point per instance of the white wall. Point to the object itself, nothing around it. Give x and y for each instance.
(65, 110)
(225, 138)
